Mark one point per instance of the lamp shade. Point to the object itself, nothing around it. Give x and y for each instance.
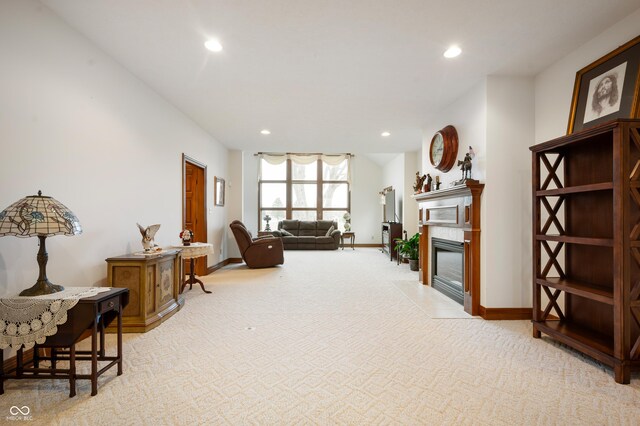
(38, 215)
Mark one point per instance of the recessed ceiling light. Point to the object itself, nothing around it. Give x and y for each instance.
(213, 45)
(265, 132)
(385, 134)
(452, 52)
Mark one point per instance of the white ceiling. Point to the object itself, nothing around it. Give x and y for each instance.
(330, 75)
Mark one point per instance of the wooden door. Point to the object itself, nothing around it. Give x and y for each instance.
(195, 209)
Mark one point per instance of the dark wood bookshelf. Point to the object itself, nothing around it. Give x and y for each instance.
(586, 243)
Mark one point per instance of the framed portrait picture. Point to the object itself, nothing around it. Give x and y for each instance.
(607, 89)
(218, 195)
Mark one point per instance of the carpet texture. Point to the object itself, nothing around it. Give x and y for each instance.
(334, 337)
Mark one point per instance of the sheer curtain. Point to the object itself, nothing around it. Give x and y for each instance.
(330, 159)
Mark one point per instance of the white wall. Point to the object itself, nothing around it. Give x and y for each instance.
(506, 227)
(250, 192)
(81, 128)
(393, 175)
(554, 85)
(366, 210)
(410, 207)
(234, 198)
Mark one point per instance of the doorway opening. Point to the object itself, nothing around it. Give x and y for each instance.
(194, 206)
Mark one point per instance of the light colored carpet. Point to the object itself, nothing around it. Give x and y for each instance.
(339, 337)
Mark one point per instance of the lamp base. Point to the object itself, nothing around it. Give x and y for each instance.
(42, 287)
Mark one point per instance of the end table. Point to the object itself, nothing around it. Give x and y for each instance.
(352, 238)
(192, 251)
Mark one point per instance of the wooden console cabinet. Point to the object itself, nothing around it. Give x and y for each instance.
(586, 243)
(154, 286)
(391, 231)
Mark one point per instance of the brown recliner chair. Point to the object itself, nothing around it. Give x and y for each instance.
(257, 252)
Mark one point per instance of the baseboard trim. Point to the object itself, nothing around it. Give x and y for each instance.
(506, 313)
(212, 269)
(364, 245)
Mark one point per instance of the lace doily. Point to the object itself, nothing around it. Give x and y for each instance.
(195, 250)
(25, 321)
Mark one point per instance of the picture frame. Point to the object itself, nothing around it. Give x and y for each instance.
(218, 191)
(607, 89)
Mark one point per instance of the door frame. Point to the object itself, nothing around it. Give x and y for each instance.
(186, 159)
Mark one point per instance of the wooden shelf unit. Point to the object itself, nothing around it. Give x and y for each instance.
(390, 231)
(586, 243)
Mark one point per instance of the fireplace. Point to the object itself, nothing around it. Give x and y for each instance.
(447, 272)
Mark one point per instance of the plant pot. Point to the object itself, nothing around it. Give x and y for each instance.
(413, 264)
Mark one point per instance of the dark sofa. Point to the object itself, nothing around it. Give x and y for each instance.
(308, 235)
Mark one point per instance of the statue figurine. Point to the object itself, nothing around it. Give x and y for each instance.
(417, 187)
(427, 186)
(148, 234)
(465, 166)
(437, 183)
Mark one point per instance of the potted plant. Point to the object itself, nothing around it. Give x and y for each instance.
(409, 249)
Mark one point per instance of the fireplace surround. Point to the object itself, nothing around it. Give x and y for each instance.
(457, 207)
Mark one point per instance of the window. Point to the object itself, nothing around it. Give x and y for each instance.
(303, 190)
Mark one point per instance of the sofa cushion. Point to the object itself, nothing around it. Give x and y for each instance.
(325, 240)
(307, 228)
(307, 240)
(323, 226)
(328, 234)
(286, 233)
(290, 226)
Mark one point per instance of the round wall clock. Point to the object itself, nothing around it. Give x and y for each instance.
(444, 149)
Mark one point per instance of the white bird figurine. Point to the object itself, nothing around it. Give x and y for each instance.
(148, 234)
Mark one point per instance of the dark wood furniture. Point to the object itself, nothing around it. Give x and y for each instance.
(456, 207)
(352, 239)
(390, 231)
(586, 243)
(154, 285)
(91, 313)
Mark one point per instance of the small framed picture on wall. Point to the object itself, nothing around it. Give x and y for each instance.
(218, 195)
(607, 89)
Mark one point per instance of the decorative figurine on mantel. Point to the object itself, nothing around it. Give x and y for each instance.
(427, 186)
(438, 183)
(417, 187)
(465, 166)
(186, 236)
(148, 234)
(267, 218)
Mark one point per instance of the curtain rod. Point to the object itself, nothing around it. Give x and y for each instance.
(300, 153)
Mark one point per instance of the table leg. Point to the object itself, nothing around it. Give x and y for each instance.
(120, 340)
(54, 358)
(101, 331)
(342, 241)
(36, 358)
(94, 359)
(19, 364)
(72, 371)
(353, 242)
(2, 372)
(192, 279)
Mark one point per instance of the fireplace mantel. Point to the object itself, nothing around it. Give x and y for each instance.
(456, 207)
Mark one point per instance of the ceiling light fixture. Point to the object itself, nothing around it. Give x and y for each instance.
(265, 132)
(385, 134)
(213, 45)
(452, 52)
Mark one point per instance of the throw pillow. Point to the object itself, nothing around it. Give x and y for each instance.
(286, 233)
(330, 231)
